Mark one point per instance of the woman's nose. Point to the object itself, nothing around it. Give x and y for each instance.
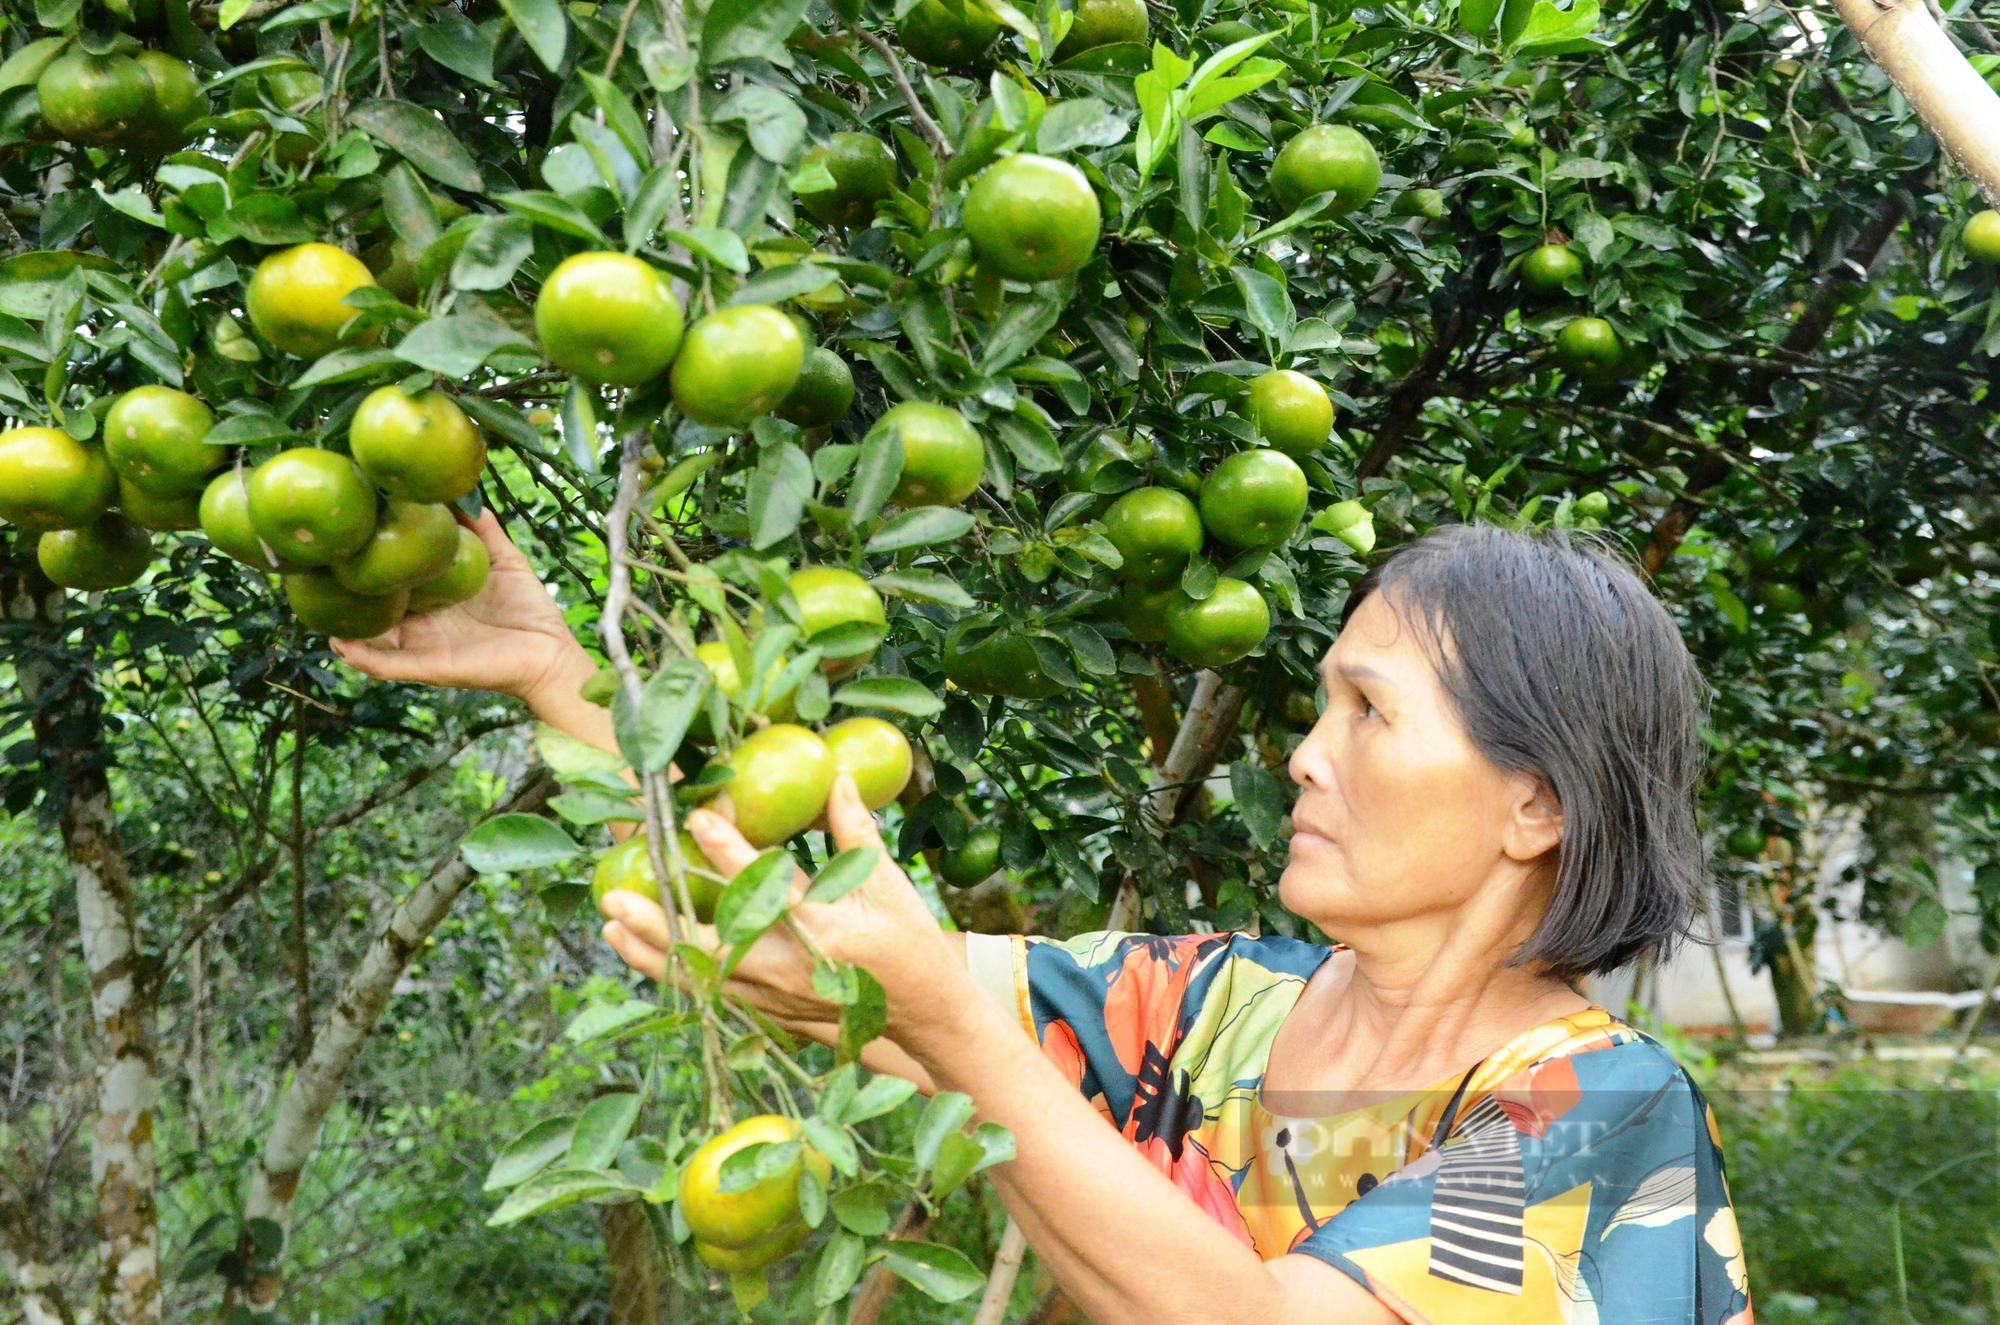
(1311, 765)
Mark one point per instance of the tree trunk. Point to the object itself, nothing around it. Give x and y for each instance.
(1954, 102)
(69, 734)
(37, 1288)
(338, 1042)
(632, 1254)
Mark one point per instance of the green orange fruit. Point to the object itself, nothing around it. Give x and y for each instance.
(782, 775)
(743, 1219)
(1589, 347)
(1000, 664)
(628, 867)
(295, 298)
(1032, 218)
(153, 439)
(1143, 611)
(462, 579)
(49, 480)
(1292, 412)
(830, 597)
(1155, 530)
(608, 318)
(947, 34)
(737, 363)
(1219, 629)
(876, 753)
(225, 518)
(419, 448)
(312, 507)
(765, 1251)
(1547, 267)
(326, 605)
(1982, 237)
(413, 543)
(973, 861)
(180, 510)
(178, 100)
(863, 170)
(1103, 23)
(1327, 157)
(95, 100)
(822, 395)
(108, 553)
(944, 457)
(1253, 498)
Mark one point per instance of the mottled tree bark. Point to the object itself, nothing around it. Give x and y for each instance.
(632, 1254)
(341, 1035)
(69, 734)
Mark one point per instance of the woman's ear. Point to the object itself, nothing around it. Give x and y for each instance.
(1534, 825)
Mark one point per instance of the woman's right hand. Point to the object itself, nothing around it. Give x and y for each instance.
(510, 637)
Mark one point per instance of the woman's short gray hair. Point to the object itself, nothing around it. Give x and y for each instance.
(1564, 667)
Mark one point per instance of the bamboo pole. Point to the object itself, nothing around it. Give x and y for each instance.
(1954, 102)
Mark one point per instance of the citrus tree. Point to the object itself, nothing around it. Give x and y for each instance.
(993, 402)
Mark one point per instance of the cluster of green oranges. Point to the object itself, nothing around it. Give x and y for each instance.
(743, 1231)
(781, 773)
(353, 563)
(126, 97)
(1589, 347)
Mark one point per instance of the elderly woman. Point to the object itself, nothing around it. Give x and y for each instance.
(1424, 1122)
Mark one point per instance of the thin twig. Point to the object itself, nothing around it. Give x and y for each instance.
(940, 146)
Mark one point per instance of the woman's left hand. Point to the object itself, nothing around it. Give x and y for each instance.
(882, 926)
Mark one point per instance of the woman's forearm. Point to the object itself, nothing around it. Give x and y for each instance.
(557, 699)
(1126, 1245)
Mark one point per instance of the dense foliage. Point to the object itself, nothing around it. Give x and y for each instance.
(983, 308)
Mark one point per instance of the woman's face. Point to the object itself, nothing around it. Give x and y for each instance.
(1399, 817)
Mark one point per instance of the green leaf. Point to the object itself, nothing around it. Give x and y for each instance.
(457, 344)
(881, 1095)
(601, 1128)
(667, 707)
(958, 1156)
(786, 282)
(453, 42)
(749, 29)
(843, 874)
(1081, 122)
(755, 899)
(601, 1019)
(1022, 324)
(422, 139)
(862, 1019)
(832, 1140)
(947, 1111)
(24, 66)
(1924, 924)
(898, 694)
(921, 527)
(943, 1274)
(1549, 26)
(555, 1190)
(877, 470)
(862, 1209)
(529, 1153)
(772, 121)
(493, 253)
(1029, 441)
(722, 247)
(1266, 304)
(838, 1268)
(546, 209)
(542, 25)
(570, 759)
(924, 586)
(350, 365)
(753, 1164)
(649, 205)
(255, 428)
(778, 490)
(620, 114)
(1259, 800)
(511, 843)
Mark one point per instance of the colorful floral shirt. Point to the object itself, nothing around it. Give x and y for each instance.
(1574, 1176)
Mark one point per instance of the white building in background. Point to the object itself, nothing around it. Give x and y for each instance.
(1887, 987)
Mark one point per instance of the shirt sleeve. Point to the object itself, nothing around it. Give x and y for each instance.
(1587, 1188)
(1107, 1008)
